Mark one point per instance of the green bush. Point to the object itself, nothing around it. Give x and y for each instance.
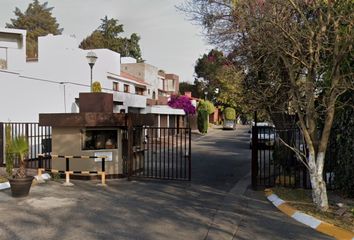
(342, 138)
(207, 106)
(202, 121)
(96, 87)
(230, 113)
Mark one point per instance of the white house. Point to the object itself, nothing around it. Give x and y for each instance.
(51, 83)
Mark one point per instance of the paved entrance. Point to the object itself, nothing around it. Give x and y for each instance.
(157, 209)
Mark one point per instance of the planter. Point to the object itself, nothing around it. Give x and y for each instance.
(20, 187)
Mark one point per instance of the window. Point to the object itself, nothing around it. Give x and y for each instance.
(115, 86)
(126, 88)
(99, 139)
(139, 91)
(149, 91)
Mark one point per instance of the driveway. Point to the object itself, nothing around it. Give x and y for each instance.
(156, 209)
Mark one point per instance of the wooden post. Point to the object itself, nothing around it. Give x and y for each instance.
(254, 152)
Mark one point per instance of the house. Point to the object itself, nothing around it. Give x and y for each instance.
(52, 82)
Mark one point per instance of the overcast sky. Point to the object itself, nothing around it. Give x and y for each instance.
(168, 40)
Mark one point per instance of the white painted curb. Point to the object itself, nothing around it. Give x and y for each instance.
(4, 185)
(298, 216)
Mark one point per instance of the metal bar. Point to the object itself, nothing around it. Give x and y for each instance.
(168, 154)
(156, 165)
(180, 153)
(185, 153)
(67, 164)
(190, 154)
(2, 144)
(172, 154)
(160, 153)
(164, 152)
(254, 167)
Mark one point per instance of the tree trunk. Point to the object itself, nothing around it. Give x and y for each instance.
(319, 189)
(21, 172)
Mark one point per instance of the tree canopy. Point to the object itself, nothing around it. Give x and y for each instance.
(108, 35)
(296, 57)
(38, 21)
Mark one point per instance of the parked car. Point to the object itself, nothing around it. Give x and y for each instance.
(266, 135)
(229, 124)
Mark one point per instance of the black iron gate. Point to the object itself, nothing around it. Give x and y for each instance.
(276, 155)
(159, 153)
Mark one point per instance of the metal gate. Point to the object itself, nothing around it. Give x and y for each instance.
(39, 139)
(159, 153)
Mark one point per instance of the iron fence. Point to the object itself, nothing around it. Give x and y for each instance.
(39, 139)
(161, 153)
(276, 159)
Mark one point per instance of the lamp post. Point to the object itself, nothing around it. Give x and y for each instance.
(205, 95)
(91, 59)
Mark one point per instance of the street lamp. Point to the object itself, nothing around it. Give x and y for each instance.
(91, 59)
(206, 95)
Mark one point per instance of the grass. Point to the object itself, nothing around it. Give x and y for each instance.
(301, 200)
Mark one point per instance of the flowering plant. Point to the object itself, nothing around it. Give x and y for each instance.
(182, 102)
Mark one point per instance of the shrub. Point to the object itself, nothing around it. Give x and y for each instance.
(229, 113)
(182, 102)
(207, 106)
(342, 138)
(96, 87)
(202, 121)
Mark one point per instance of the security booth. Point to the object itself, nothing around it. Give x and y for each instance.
(95, 131)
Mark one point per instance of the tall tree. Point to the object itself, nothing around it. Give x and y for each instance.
(301, 47)
(108, 35)
(206, 69)
(38, 21)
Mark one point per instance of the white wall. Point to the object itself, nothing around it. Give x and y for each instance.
(13, 44)
(22, 99)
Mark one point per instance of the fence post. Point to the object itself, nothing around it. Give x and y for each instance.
(2, 144)
(130, 146)
(67, 173)
(103, 173)
(254, 152)
(190, 154)
(40, 166)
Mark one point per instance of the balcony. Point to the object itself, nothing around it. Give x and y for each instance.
(162, 100)
(130, 99)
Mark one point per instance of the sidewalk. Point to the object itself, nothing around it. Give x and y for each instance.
(247, 214)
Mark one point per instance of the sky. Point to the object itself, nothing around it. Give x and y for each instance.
(168, 40)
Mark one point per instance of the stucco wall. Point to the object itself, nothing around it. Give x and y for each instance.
(67, 141)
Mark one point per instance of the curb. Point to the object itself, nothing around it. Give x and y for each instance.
(318, 225)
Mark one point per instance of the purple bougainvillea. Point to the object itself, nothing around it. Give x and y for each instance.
(182, 102)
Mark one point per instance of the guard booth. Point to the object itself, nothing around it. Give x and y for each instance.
(95, 131)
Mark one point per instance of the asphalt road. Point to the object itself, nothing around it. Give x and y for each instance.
(154, 210)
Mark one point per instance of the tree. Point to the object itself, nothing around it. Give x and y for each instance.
(108, 35)
(189, 87)
(207, 68)
(38, 21)
(301, 49)
(207, 106)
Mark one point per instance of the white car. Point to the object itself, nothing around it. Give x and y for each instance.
(266, 135)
